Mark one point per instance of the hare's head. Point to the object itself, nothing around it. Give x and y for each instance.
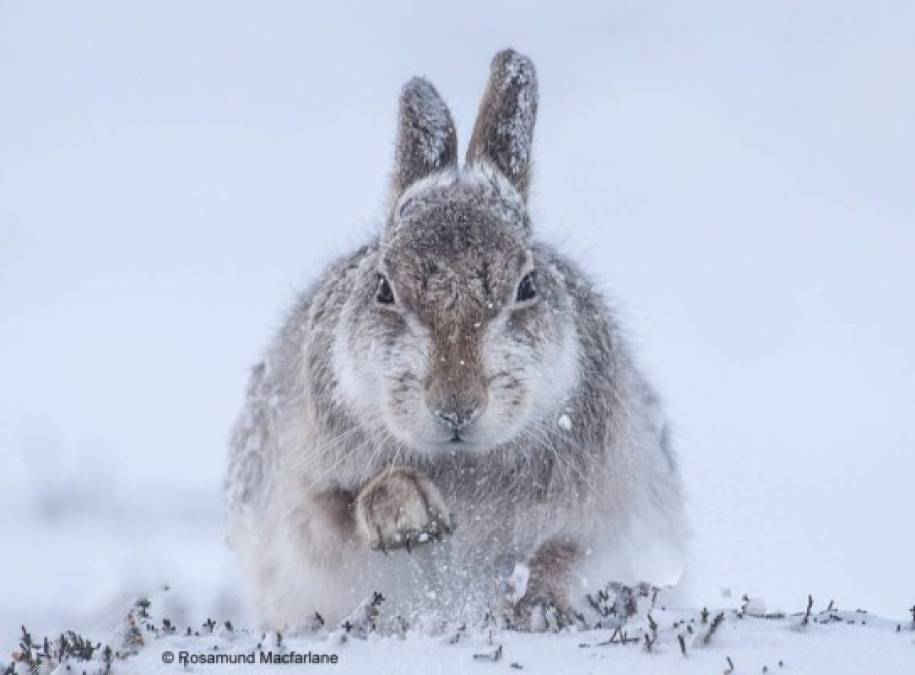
(458, 333)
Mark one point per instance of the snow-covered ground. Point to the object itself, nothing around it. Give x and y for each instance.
(739, 175)
(742, 637)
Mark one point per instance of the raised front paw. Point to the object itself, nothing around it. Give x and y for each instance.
(400, 508)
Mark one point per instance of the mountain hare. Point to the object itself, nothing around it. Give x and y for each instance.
(450, 416)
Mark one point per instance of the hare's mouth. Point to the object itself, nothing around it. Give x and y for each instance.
(457, 442)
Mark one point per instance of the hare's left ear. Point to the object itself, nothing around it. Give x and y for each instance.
(504, 128)
(426, 139)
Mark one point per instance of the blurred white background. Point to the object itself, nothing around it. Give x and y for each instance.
(740, 176)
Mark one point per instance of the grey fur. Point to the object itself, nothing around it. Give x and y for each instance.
(504, 130)
(345, 442)
(426, 139)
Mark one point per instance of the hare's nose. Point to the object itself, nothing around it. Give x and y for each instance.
(456, 398)
(456, 419)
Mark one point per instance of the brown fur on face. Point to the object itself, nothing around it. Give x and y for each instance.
(456, 346)
(454, 269)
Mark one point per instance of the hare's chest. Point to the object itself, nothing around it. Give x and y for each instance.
(494, 518)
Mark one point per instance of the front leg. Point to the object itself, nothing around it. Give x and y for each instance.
(548, 585)
(399, 508)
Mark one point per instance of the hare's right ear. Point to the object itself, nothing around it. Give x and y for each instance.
(426, 139)
(504, 128)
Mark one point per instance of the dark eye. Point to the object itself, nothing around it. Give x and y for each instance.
(383, 292)
(527, 289)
